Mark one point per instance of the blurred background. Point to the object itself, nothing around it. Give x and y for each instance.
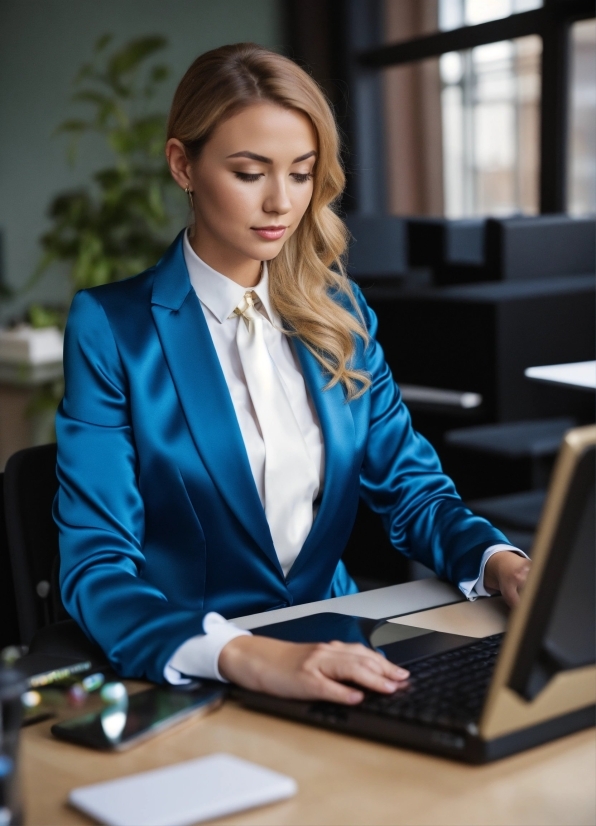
(469, 131)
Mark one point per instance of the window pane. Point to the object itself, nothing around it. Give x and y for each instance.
(406, 19)
(490, 111)
(456, 13)
(582, 138)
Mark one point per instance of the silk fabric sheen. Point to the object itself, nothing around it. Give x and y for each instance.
(159, 516)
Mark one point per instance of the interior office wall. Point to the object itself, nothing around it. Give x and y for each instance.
(42, 45)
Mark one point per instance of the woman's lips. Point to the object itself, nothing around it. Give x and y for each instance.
(270, 233)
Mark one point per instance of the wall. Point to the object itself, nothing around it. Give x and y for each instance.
(42, 45)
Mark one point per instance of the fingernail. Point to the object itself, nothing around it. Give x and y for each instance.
(402, 673)
(356, 696)
(390, 685)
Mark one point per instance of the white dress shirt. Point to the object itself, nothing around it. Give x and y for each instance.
(219, 296)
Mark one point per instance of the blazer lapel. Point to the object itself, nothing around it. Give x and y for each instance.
(204, 395)
(339, 438)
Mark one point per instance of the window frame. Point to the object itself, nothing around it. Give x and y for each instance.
(552, 23)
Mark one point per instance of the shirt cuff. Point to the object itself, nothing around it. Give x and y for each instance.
(474, 588)
(199, 656)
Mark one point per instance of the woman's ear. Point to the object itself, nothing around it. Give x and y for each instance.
(178, 162)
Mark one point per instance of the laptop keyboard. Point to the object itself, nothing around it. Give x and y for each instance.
(445, 689)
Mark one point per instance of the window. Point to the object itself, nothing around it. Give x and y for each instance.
(582, 133)
(464, 93)
(490, 109)
(456, 13)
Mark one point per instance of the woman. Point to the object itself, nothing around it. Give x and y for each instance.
(225, 410)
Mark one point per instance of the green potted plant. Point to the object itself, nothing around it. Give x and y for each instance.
(116, 225)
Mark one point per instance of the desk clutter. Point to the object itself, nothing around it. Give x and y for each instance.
(176, 795)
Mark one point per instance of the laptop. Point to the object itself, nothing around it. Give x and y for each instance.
(474, 699)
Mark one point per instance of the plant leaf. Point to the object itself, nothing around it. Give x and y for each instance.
(132, 54)
(91, 96)
(86, 71)
(75, 125)
(40, 316)
(102, 42)
(159, 73)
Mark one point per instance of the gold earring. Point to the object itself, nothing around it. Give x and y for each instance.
(189, 194)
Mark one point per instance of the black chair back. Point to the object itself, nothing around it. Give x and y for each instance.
(30, 485)
(9, 627)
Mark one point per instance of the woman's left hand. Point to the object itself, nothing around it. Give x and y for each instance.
(507, 572)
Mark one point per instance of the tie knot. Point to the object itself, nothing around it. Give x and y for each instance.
(248, 303)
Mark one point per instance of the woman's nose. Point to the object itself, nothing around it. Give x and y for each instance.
(277, 199)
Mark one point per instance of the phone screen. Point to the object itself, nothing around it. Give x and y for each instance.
(122, 724)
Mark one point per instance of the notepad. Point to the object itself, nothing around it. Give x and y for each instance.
(183, 794)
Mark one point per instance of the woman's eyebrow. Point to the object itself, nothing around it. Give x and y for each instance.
(263, 159)
(252, 156)
(304, 157)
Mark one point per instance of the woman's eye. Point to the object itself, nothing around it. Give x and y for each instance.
(250, 177)
(301, 178)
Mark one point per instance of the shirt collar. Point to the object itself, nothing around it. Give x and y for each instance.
(219, 293)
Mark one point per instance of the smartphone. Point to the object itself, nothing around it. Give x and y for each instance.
(121, 725)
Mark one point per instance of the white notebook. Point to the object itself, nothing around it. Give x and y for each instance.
(183, 794)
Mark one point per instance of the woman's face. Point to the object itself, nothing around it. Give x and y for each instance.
(251, 185)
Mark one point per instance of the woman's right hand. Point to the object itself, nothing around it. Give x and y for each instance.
(308, 671)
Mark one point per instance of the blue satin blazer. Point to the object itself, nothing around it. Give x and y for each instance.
(159, 517)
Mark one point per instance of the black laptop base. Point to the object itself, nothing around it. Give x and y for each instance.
(440, 708)
(468, 747)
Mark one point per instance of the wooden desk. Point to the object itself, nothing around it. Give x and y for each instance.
(341, 779)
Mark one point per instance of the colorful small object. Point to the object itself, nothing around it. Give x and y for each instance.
(113, 693)
(9, 655)
(76, 695)
(31, 699)
(93, 682)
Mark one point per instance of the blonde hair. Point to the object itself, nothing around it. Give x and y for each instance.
(308, 275)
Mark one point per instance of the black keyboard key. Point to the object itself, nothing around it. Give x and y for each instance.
(446, 689)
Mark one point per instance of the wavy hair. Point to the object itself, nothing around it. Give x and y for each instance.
(308, 276)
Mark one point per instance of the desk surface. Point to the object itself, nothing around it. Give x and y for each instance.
(341, 779)
(580, 374)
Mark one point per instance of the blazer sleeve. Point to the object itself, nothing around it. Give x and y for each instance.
(99, 509)
(402, 480)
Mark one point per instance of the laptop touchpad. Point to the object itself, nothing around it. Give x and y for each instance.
(403, 643)
(388, 632)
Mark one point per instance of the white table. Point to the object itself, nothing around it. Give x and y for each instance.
(579, 374)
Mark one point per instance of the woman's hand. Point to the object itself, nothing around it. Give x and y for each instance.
(308, 671)
(507, 572)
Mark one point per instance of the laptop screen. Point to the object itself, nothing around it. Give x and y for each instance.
(560, 632)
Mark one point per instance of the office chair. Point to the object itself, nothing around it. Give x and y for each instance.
(378, 247)
(9, 627)
(30, 485)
